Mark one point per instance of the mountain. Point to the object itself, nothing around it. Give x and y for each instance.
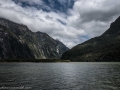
(17, 41)
(103, 48)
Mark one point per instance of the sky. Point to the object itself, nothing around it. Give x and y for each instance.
(70, 21)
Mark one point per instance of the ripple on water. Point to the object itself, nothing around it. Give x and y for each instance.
(62, 76)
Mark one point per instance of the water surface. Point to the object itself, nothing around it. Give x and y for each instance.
(61, 76)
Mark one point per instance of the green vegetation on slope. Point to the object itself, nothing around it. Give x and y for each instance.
(103, 48)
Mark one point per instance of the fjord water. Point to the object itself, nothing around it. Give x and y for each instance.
(61, 76)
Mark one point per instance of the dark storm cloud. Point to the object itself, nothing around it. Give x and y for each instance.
(95, 16)
(99, 15)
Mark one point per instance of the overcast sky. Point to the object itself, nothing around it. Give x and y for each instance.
(70, 21)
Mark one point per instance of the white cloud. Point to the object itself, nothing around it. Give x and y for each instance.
(94, 16)
(87, 19)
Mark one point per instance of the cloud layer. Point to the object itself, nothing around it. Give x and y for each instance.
(72, 23)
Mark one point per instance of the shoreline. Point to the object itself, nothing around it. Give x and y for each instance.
(43, 61)
(33, 60)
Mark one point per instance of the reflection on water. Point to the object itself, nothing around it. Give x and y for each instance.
(61, 76)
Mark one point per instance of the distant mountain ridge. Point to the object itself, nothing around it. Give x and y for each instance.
(103, 48)
(17, 41)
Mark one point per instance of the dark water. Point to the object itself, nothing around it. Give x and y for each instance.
(60, 76)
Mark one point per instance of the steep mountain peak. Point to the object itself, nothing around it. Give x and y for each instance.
(118, 19)
(40, 44)
(5, 22)
(114, 27)
(103, 48)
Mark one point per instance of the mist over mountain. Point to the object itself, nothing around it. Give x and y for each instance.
(103, 48)
(17, 41)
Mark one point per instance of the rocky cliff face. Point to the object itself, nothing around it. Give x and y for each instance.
(11, 47)
(103, 48)
(17, 41)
